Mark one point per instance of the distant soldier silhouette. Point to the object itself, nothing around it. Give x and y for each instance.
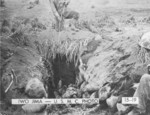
(2, 3)
(61, 12)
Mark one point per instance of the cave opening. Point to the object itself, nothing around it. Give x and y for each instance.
(65, 73)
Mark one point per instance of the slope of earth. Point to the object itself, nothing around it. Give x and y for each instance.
(118, 54)
(119, 42)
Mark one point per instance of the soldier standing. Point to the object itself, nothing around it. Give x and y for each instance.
(59, 7)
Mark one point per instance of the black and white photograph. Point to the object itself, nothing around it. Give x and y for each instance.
(74, 57)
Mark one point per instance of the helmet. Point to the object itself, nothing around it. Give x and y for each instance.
(148, 65)
(145, 41)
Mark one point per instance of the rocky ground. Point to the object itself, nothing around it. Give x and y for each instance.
(110, 32)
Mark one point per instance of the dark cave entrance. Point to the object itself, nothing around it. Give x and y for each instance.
(63, 71)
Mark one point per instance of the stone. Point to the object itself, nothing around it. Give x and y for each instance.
(112, 101)
(121, 107)
(104, 92)
(98, 37)
(35, 88)
(90, 87)
(33, 108)
(145, 41)
(71, 91)
(93, 95)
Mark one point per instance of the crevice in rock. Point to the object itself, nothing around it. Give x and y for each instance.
(64, 74)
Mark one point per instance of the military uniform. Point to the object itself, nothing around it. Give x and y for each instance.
(61, 12)
(58, 9)
(143, 93)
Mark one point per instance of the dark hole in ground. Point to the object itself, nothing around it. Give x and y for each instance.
(63, 71)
